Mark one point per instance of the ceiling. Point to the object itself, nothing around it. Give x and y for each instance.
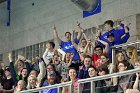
(2, 1)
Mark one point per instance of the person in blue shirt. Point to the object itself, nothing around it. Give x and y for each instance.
(112, 40)
(51, 77)
(68, 45)
(118, 33)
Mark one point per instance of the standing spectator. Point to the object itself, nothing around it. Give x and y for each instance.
(67, 45)
(49, 52)
(109, 28)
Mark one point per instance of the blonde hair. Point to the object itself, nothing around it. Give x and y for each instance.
(30, 77)
(134, 55)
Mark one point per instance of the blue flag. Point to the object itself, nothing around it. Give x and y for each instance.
(96, 9)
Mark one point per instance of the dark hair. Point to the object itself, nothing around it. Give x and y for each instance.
(67, 32)
(98, 46)
(109, 22)
(75, 71)
(83, 39)
(88, 56)
(103, 68)
(125, 63)
(52, 44)
(92, 67)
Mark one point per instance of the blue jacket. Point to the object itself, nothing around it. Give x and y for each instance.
(117, 34)
(54, 90)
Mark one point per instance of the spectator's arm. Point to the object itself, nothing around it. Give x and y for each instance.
(44, 57)
(12, 69)
(73, 41)
(80, 32)
(42, 72)
(135, 86)
(104, 43)
(27, 64)
(56, 35)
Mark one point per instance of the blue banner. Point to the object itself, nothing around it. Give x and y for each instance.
(96, 9)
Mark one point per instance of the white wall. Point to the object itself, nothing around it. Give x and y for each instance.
(32, 24)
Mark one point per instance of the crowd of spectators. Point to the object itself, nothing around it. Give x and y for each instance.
(78, 58)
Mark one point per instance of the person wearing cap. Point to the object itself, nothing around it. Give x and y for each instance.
(69, 44)
(111, 40)
(51, 77)
(118, 33)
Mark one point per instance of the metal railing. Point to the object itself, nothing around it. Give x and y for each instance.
(81, 81)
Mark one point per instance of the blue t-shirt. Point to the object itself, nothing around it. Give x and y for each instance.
(117, 34)
(69, 48)
(54, 90)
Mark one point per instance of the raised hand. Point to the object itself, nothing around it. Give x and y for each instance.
(10, 57)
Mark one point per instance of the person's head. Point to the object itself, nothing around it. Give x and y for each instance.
(20, 64)
(137, 64)
(92, 71)
(98, 50)
(50, 67)
(83, 42)
(108, 25)
(56, 59)
(72, 73)
(7, 72)
(51, 77)
(32, 80)
(120, 56)
(123, 66)
(50, 45)
(110, 37)
(2, 65)
(68, 36)
(87, 61)
(103, 70)
(104, 59)
(68, 56)
(34, 73)
(24, 72)
(21, 85)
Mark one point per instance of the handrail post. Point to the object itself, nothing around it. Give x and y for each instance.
(92, 87)
(79, 88)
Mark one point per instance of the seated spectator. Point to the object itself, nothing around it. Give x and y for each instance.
(97, 55)
(120, 57)
(135, 82)
(132, 54)
(51, 67)
(21, 85)
(7, 82)
(72, 73)
(107, 85)
(51, 78)
(83, 73)
(125, 80)
(92, 71)
(32, 82)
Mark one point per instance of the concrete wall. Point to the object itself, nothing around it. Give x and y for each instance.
(32, 24)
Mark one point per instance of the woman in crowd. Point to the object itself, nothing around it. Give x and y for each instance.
(21, 85)
(72, 73)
